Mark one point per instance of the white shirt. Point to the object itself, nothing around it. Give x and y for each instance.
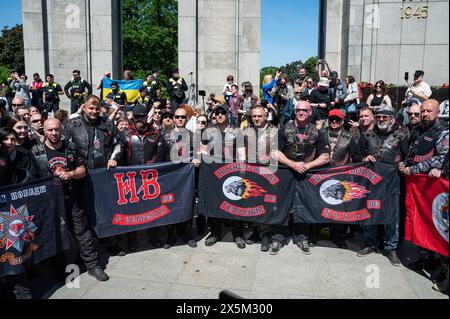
(423, 88)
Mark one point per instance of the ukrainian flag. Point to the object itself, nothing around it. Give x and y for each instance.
(131, 88)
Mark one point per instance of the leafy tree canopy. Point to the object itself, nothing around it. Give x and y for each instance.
(11, 49)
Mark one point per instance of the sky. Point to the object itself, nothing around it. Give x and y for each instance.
(289, 28)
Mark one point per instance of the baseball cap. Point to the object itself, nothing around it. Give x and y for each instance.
(140, 110)
(223, 107)
(336, 113)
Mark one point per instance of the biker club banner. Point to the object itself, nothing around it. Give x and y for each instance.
(133, 198)
(366, 194)
(246, 192)
(32, 224)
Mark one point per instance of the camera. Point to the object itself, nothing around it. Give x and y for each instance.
(2, 104)
(406, 76)
(202, 92)
(264, 103)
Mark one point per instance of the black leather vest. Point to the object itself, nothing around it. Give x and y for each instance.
(340, 152)
(390, 150)
(260, 143)
(300, 148)
(141, 149)
(95, 140)
(40, 154)
(424, 146)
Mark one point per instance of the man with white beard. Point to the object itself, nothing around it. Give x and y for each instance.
(388, 144)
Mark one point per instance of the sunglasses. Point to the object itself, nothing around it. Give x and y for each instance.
(182, 117)
(309, 82)
(17, 104)
(167, 117)
(301, 110)
(159, 113)
(221, 113)
(201, 122)
(413, 114)
(335, 119)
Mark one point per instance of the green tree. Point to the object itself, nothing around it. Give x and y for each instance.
(11, 49)
(150, 35)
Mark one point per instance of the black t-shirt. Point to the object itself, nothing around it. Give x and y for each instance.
(57, 160)
(321, 97)
(6, 168)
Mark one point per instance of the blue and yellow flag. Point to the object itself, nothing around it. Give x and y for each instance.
(131, 88)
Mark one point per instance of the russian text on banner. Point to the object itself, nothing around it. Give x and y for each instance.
(133, 198)
(427, 212)
(367, 194)
(32, 224)
(131, 88)
(246, 192)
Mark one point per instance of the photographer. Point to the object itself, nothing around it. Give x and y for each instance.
(320, 99)
(281, 92)
(419, 90)
(247, 101)
(176, 88)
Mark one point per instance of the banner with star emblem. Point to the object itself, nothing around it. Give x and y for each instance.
(246, 192)
(427, 213)
(365, 194)
(32, 224)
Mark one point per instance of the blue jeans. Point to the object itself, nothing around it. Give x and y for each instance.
(391, 236)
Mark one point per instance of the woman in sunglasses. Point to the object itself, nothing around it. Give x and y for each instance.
(379, 96)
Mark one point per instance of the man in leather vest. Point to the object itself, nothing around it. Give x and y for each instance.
(141, 144)
(98, 144)
(343, 150)
(388, 144)
(61, 159)
(425, 153)
(178, 145)
(301, 147)
(77, 90)
(260, 139)
(222, 142)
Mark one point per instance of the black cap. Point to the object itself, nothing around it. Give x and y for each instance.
(154, 70)
(334, 75)
(175, 70)
(419, 73)
(115, 83)
(223, 107)
(140, 110)
(165, 113)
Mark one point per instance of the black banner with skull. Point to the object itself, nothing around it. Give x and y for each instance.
(246, 192)
(366, 194)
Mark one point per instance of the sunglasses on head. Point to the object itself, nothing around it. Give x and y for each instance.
(183, 117)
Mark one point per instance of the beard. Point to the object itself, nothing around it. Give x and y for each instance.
(385, 126)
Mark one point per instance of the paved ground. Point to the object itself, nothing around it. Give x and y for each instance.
(184, 272)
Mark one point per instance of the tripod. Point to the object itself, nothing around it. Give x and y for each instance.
(192, 98)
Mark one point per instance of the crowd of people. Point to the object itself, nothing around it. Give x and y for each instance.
(316, 121)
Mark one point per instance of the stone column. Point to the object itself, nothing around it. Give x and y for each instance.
(226, 42)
